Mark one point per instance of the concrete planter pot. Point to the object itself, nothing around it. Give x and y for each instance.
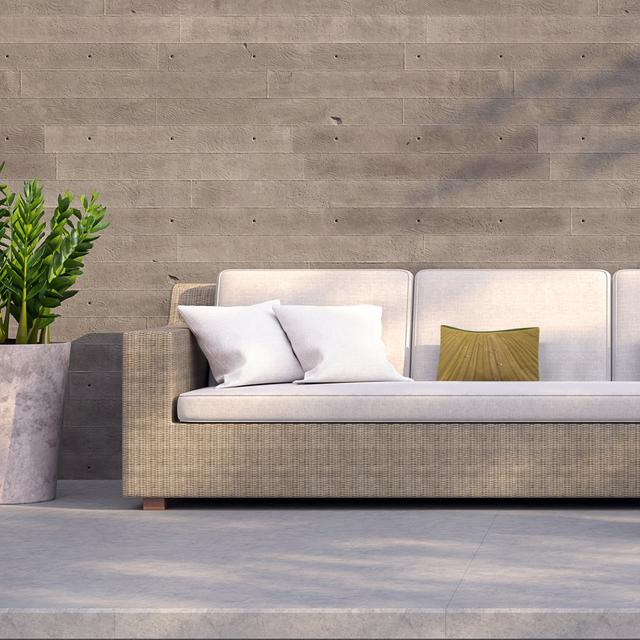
(32, 388)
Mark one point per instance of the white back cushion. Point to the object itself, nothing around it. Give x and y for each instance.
(571, 307)
(626, 325)
(391, 289)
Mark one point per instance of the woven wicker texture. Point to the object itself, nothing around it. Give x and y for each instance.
(163, 457)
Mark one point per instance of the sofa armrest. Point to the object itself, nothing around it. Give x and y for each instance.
(158, 365)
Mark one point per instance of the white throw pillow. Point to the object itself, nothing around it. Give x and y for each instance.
(244, 345)
(338, 344)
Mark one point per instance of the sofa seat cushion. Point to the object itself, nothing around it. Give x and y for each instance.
(427, 401)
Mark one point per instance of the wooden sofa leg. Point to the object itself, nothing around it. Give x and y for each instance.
(154, 504)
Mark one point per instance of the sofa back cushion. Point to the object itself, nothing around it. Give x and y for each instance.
(626, 325)
(391, 289)
(571, 307)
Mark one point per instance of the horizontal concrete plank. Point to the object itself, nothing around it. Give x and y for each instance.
(596, 166)
(94, 385)
(141, 84)
(475, 7)
(99, 29)
(176, 166)
(303, 29)
(585, 139)
(21, 139)
(51, 7)
(605, 222)
(27, 166)
(260, 57)
(533, 29)
(78, 56)
(97, 413)
(549, 249)
(608, 56)
(108, 304)
(413, 166)
(163, 276)
(73, 111)
(72, 328)
(9, 84)
(521, 111)
(96, 357)
(228, 7)
(381, 84)
(577, 84)
(168, 139)
(279, 248)
(425, 193)
(618, 8)
(133, 248)
(90, 467)
(415, 139)
(121, 193)
(273, 111)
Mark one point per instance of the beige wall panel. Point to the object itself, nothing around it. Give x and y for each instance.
(585, 139)
(27, 166)
(596, 166)
(260, 57)
(278, 248)
(304, 29)
(168, 139)
(228, 7)
(534, 56)
(533, 29)
(176, 166)
(514, 111)
(21, 139)
(415, 139)
(381, 84)
(89, 29)
(78, 56)
(577, 84)
(475, 7)
(51, 7)
(411, 167)
(70, 111)
(272, 111)
(429, 193)
(140, 84)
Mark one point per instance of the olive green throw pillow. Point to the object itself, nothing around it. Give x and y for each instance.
(488, 355)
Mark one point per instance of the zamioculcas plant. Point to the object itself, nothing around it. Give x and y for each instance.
(39, 263)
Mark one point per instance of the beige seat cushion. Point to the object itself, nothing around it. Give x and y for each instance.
(626, 324)
(391, 289)
(570, 306)
(416, 402)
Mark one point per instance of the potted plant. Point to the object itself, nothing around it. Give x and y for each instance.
(39, 264)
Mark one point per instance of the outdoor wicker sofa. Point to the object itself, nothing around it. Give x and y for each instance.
(576, 433)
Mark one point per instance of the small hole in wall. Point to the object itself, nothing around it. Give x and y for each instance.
(254, 221)
(89, 302)
(418, 219)
(171, 56)
(171, 138)
(500, 56)
(582, 138)
(133, 10)
(335, 138)
(418, 55)
(89, 138)
(88, 467)
(583, 56)
(88, 384)
(89, 55)
(6, 55)
(335, 221)
(500, 138)
(253, 55)
(253, 138)
(172, 220)
(418, 138)
(336, 56)
(6, 138)
(500, 220)
(583, 221)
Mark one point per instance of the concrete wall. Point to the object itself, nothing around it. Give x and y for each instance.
(228, 133)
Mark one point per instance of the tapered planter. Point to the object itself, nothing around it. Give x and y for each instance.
(32, 389)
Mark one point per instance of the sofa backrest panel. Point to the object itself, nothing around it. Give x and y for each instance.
(391, 289)
(571, 307)
(626, 325)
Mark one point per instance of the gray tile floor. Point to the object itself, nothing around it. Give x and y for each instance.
(91, 564)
